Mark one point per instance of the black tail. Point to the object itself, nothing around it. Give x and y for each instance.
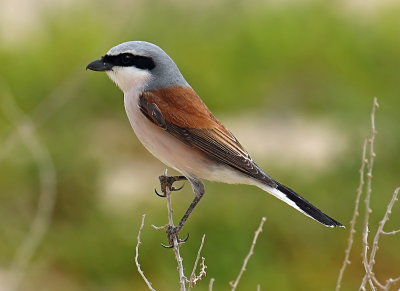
(293, 199)
(307, 208)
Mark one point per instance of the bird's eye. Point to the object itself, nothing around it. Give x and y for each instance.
(126, 59)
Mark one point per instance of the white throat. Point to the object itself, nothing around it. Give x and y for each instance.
(129, 78)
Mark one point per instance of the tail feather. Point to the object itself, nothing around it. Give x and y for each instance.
(299, 203)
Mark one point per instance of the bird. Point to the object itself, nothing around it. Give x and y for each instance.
(175, 125)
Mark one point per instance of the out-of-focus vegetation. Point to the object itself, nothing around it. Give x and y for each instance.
(300, 60)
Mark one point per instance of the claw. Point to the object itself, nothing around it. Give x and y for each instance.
(180, 241)
(183, 240)
(158, 194)
(167, 182)
(177, 189)
(167, 247)
(172, 232)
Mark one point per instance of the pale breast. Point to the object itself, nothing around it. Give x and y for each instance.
(163, 145)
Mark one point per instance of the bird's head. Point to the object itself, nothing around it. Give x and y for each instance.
(139, 65)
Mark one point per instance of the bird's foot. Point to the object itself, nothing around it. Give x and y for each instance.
(172, 234)
(167, 182)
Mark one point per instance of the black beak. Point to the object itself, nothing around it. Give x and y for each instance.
(99, 65)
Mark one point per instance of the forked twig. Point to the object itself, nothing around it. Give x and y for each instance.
(235, 283)
(148, 283)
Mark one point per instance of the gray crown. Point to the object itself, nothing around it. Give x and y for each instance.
(165, 73)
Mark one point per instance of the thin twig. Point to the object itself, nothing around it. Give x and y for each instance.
(353, 221)
(391, 232)
(193, 278)
(148, 283)
(48, 190)
(251, 252)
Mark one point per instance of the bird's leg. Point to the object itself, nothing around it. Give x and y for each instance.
(198, 189)
(168, 181)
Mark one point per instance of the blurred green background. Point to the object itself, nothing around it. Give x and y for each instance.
(301, 73)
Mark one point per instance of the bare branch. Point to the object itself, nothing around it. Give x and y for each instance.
(193, 278)
(353, 221)
(251, 252)
(148, 283)
(25, 129)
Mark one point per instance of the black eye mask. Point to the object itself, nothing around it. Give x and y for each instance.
(129, 60)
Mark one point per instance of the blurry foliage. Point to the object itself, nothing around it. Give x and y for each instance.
(303, 58)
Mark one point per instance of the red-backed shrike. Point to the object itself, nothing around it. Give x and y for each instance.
(175, 125)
